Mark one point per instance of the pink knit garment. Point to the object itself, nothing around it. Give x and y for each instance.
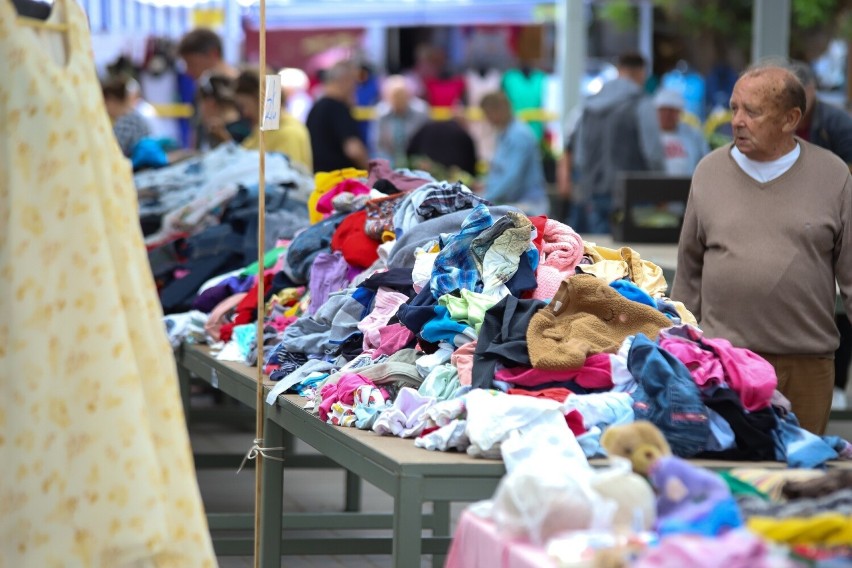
(353, 186)
(561, 252)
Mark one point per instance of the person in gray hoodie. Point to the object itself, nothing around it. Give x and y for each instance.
(617, 132)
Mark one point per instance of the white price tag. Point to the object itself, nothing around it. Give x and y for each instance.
(272, 103)
(214, 379)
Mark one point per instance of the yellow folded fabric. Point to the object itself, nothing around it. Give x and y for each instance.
(607, 270)
(325, 182)
(645, 274)
(685, 315)
(830, 529)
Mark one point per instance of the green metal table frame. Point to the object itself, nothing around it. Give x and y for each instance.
(202, 366)
(411, 476)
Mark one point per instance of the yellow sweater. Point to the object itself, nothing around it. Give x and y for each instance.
(291, 138)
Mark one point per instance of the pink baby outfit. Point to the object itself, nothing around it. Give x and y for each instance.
(561, 251)
(353, 186)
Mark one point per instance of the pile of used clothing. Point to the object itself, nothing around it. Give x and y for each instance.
(806, 509)
(406, 295)
(200, 217)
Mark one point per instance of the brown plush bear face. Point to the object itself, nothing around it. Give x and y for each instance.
(641, 442)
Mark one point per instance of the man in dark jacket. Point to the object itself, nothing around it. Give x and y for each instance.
(830, 127)
(618, 132)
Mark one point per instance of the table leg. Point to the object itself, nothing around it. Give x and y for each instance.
(288, 442)
(353, 492)
(273, 494)
(407, 522)
(440, 527)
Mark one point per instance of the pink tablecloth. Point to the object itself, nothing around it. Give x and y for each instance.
(478, 544)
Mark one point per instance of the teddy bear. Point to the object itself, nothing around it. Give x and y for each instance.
(689, 498)
(641, 442)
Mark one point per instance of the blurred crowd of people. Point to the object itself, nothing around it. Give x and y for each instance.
(419, 120)
(461, 126)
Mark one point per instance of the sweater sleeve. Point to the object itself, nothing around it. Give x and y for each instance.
(843, 248)
(690, 260)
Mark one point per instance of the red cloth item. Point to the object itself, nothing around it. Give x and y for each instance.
(574, 419)
(575, 422)
(429, 430)
(538, 222)
(246, 311)
(596, 373)
(358, 249)
(353, 186)
(218, 317)
(558, 394)
(226, 331)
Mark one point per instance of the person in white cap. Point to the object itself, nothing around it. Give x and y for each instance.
(294, 91)
(684, 145)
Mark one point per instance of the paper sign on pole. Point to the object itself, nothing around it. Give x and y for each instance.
(272, 103)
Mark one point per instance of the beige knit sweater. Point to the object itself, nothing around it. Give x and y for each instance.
(757, 261)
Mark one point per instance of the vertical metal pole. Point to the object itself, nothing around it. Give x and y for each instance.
(571, 53)
(646, 32)
(770, 29)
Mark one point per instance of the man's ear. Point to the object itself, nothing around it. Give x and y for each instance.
(791, 119)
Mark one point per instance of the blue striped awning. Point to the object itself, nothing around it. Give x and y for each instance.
(164, 19)
(172, 18)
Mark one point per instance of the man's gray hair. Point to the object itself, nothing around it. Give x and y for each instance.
(792, 93)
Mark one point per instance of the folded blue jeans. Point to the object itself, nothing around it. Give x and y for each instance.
(668, 397)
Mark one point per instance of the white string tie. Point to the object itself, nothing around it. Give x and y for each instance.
(256, 449)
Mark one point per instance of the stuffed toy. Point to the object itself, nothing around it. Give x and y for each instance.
(690, 499)
(641, 442)
(632, 495)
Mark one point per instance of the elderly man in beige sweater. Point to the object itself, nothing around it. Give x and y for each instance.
(767, 230)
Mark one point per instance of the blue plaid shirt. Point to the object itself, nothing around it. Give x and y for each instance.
(455, 267)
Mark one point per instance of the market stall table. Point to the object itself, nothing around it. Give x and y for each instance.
(412, 476)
